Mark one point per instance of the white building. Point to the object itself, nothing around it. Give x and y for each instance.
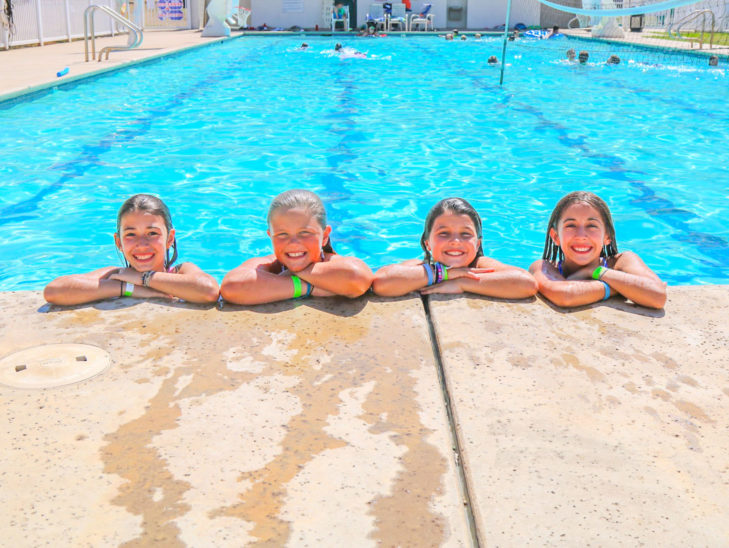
(449, 14)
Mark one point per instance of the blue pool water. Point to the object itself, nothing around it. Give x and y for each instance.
(219, 131)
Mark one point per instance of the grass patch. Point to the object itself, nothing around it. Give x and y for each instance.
(720, 38)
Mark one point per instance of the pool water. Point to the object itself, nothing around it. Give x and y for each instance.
(219, 131)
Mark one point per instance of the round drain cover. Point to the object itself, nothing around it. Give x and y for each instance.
(51, 365)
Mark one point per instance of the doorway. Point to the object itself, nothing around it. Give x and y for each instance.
(456, 14)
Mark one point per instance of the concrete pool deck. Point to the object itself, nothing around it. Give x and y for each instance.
(326, 423)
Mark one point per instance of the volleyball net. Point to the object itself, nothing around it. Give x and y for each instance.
(644, 29)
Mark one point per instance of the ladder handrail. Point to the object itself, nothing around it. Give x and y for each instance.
(89, 18)
(691, 17)
(686, 19)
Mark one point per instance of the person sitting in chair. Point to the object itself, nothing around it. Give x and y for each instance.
(340, 14)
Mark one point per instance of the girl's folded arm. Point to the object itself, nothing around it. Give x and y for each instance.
(505, 281)
(634, 280)
(254, 283)
(83, 288)
(563, 292)
(189, 283)
(399, 279)
(346, 276)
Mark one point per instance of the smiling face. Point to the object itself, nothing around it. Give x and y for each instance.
(144, 240)
(297, 238)
(453, 240)
(581, 233)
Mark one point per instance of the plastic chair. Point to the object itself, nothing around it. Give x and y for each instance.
(377, 15)
(398, 17)
(343, 19)
(424, 18)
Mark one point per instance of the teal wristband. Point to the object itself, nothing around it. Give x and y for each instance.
(297, 286)
(598, 272)
(429, 273)
(607, 290)
(309, 289)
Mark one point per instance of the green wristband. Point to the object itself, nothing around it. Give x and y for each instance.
(128, 289)
(598, 272)
(445, 273)
(297, 286)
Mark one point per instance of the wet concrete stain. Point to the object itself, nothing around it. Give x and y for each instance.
(154, 493)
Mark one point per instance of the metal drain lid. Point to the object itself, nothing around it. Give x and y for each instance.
(51, 365)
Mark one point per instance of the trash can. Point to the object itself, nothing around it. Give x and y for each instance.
(637, 22)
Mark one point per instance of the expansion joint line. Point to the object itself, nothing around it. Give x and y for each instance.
(457, 453)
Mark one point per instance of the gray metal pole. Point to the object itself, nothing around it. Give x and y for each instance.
(506, 37)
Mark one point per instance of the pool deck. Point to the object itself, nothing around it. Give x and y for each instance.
(326, 423)
(340, 423)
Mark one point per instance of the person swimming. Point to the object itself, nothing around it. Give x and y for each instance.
(144, 236)
(581, 263)
(303, 262)
(454, 261)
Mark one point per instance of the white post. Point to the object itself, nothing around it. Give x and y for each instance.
(68, 20)
(506, 37)
(39, 20)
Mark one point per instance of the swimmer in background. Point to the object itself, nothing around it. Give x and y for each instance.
(583, 57)
(581, 263)
(454, 261)
(144, 235)
(613, 60)
(713, 61)
(463, 37)
(477, 36)
(303, 262)
(493, 60)
(304, 47)
(552, 33)
(571, 55)
(449, 37)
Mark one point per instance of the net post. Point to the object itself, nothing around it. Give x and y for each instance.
(506, 36)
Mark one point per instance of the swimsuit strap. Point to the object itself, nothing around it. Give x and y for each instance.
(559, 266)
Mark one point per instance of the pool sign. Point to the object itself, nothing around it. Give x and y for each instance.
(170, 10)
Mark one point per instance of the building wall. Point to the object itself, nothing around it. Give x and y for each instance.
(488, 14)
(481, 14)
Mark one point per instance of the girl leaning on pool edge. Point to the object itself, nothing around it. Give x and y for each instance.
(454, 261)
(303, 263)
(581, 263)
(144, 235)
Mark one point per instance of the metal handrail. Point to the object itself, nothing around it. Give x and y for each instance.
(691, 17)
(135, 33)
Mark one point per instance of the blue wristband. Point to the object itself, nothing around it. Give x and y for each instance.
(607, 291)
(428, 272)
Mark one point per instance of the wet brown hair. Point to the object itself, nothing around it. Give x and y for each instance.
(459, 206)
(154, 206)
(553, 252)
(303, 199)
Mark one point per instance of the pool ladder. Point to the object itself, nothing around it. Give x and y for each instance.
(135, 33)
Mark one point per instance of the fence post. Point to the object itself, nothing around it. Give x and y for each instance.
(68, 20)
(39, 19)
